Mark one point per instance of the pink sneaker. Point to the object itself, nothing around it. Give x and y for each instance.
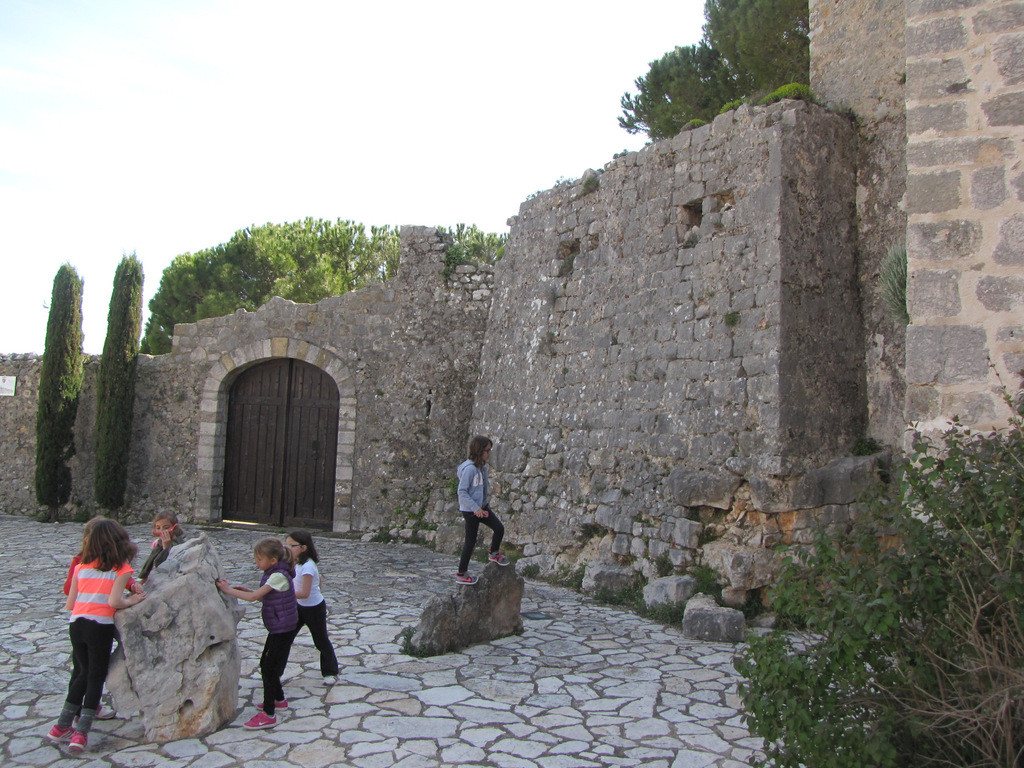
(262, 720)
(60, 734)
(78, 742)
(282, 704)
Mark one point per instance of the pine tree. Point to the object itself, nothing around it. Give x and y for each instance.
(750, 47)
(60, 382)
(115, 385)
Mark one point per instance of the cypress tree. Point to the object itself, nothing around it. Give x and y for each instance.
(60, 382)
(115, 384)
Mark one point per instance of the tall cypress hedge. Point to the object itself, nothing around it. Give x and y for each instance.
(60, 382)
(115, 384)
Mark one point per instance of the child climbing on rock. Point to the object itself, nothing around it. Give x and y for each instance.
(280, 617)
(475, 508)
(96, 591)
(312, 606)
(168, 533)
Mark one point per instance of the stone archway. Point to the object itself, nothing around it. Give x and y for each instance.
(214, 413)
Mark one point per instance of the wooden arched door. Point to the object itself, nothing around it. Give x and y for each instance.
(282, 444)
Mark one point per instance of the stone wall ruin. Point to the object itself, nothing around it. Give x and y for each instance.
(678, 352)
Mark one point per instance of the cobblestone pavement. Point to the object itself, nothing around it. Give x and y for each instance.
(587, 685)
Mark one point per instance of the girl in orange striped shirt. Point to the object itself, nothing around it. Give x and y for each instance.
(97, 590)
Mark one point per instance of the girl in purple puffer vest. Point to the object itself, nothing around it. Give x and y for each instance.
(281, 618)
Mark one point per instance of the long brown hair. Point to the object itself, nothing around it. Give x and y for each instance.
(477, 446)
(304, 538)
(108, 545)
(86, 530)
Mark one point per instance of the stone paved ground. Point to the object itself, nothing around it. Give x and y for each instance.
(587, 686)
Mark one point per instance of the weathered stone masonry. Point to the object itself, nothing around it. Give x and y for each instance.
(677, 338)
(677, 353)
(396, 351)
(965, 185)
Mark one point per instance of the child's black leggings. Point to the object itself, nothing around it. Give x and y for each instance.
(472, 526)
(315, 617)
(272, 664)
(90, 658)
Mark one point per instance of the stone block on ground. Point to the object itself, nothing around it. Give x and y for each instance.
(604, 575)
(449, 538)
(744, 567)
(670, 590)
(476, 613)
(178, 662)
(704, 619)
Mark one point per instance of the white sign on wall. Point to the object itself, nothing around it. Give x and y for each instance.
(7, 385)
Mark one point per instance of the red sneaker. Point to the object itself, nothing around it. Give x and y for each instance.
(60, 734)
(79, 741)
(262, 720)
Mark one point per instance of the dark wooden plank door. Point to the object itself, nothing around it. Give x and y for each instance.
(311, 447)
(282, 440)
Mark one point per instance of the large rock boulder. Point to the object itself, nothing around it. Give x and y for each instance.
(744, 567)
(669, 590)
(704, 619)
(476, 613)
(604, 575)
(178, 663)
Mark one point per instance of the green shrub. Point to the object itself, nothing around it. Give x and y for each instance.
(409, 649)
(866, 446)
(914, 640)
(731, 105)
(893, 277)
(695, 123)
(531, 571)
(631, 597)
(663, 565)
(789, 91)
(732, 319)
(707, 581)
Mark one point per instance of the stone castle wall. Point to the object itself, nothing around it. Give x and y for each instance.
(965, 126)
(858, 66)
(677, 353)
(398, 352)
(677, 337)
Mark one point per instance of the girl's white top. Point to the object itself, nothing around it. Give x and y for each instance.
(315, 596)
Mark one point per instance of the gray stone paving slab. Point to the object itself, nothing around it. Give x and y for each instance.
(587, 685)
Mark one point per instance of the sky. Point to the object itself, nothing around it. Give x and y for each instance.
(162, 128)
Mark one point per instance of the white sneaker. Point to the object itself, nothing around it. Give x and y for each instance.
(330, 679)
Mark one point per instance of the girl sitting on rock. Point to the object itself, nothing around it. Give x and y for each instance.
(167, 533)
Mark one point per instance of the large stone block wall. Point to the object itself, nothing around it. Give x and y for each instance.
(162, 469)
(677, 334)
(18, 434)
(965, 126)
(858, 65)
(405, 355)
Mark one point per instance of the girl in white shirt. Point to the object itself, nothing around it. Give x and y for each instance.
(312, 606)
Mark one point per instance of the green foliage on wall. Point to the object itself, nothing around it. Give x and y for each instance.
(912, 623)
(749, 48)
(893, 277)
(303, 261)
(471, 245)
